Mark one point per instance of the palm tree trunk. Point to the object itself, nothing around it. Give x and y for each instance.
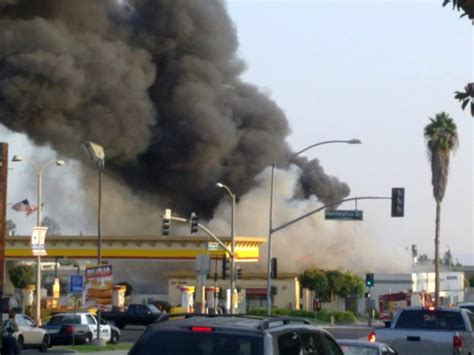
(437, 283)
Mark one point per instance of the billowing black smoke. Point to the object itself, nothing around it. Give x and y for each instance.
(156, 82)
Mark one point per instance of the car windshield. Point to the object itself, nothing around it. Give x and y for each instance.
(153, 309)
(64, 319)
(189, 343)
(358, 350)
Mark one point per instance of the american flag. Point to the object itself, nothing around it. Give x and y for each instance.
(24, 206)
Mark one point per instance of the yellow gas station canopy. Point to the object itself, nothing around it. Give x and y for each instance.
(134, 247)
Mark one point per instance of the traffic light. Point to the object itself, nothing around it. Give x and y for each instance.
(273, 268)
(369, 279)
(165, 228)
(239, 273)
(225, 268)
(194, 223)
(398, 201)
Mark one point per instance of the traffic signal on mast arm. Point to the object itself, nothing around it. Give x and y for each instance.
(398, 202)
(194, 223)
(369, 279)
(165, 227)
(239, 273)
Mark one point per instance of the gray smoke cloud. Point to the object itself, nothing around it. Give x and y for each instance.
(157, 83)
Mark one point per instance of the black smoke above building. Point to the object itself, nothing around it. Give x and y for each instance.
(157, 83)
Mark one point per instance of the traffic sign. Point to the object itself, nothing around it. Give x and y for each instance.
(38, 240)
(212, 246)
(345, 215)
(76, 284)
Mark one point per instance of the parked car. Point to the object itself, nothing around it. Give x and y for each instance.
(419, 330)
(359, 347)
(30, 335)
(114, 331)
(234, 335)
(80, 328)
(136, 314)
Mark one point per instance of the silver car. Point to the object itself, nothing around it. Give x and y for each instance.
(29, 335)
(360, 347)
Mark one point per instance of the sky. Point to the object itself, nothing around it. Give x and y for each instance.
(373, 70)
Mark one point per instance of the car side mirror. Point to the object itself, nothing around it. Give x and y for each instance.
(388, 324)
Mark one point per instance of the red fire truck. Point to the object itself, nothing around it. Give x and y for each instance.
(391, 303)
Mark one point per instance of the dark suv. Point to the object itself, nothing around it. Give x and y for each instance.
(235, 335)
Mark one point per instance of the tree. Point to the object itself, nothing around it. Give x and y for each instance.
(10, 227)
(315, 280)
(466, 96)
(353, 285)
(471, 281)
(22, 276)
(53, 226)
(442, 140)
(448, 259)
(467, 6)
(423, 258)
(335, 282)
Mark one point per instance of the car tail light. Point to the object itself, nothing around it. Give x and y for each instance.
(69, 329)
(372, 337)
(202, 329)
(457, 342)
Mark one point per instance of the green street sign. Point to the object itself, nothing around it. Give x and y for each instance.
(344, 215)
(212, 246)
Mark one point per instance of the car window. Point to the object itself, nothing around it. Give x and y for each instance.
(358, 350)
(90, 319)
(289, 344)
(153, 309)
(195, 343)
(19, 320)
(425, 319)
(312, 343)
(28, 322)
(334, 349)
(471, 319)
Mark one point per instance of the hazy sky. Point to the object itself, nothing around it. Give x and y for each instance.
(374, 70)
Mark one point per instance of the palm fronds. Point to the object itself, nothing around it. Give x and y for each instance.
(467, 6)
(466, 96)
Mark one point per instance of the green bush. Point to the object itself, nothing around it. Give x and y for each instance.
(322, 315)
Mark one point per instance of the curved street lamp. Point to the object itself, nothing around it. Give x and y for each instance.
(39, 172)
(232, 247)
(270, 229)
(96, 155)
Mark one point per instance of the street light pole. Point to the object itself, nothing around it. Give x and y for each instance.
(232, 246)
(96, 154)
(39, 174)
(270, 229)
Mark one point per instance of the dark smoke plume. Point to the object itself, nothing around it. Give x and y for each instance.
(156, 82)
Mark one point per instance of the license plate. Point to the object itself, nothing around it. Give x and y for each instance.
(52, 331)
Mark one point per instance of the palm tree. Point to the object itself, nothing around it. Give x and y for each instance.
(442, 139)
(466, 97)
(462, 5)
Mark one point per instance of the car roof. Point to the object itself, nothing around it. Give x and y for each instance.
(71, 314)
(235, 323)
(465, 304)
